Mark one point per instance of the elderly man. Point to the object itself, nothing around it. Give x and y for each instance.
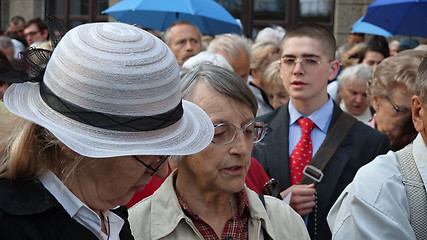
(35, 32)
(17, 24)
(236, 50)
(380, 202)
(184, 39)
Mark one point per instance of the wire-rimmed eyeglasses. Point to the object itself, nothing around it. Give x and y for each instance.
(398, 109)
(308, 64)
(158, 162)
(226, 132)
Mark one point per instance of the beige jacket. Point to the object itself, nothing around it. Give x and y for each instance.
(160, 217)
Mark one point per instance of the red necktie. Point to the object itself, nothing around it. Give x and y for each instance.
(301, 155)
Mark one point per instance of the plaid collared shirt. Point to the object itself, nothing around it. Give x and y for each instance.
(235, 228)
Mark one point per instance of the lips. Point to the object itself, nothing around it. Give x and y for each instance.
(234, 170)
(298, 83)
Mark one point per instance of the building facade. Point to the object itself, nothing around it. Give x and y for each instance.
(337, 15)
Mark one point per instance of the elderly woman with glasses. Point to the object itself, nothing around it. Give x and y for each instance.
(205, 197)
(390, 90)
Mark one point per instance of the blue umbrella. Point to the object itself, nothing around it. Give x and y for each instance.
(364, 27)
(399, 17)
(209, 16)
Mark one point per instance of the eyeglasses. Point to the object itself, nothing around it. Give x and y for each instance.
(159, 161)
(31, 34)
(398, 109)
(308, 64)
(226, 132)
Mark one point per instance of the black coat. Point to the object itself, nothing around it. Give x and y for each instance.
(29, 211)
(361, 146)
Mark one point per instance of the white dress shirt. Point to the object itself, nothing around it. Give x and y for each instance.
(321, 117)
(80, 211)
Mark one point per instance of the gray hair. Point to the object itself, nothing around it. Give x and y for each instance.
(231, 44)
(222, 81)
(274, 34)
(397, 72)
(421, 81)
(6, 42)
(359, 71)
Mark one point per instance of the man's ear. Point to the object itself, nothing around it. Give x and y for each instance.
(417, 108)
(333, 70)
(45, 33)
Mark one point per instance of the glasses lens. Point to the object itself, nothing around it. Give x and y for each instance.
(307, 63)
(224, 133)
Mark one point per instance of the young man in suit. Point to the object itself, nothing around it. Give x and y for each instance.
(306, 64)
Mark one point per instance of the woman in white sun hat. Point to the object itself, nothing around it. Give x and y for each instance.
(99, 124)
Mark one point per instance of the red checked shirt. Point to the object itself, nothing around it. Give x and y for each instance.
(235, 228)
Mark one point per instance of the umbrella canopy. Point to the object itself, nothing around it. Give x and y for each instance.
(364, 27)
(209, 16)
(399, 17)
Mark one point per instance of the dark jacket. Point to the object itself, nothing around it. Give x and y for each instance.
(29, 211)
(361, 146)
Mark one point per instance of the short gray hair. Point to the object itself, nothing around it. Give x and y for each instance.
(5, 42)
(359, 71)
(221, 80)
(231, 44)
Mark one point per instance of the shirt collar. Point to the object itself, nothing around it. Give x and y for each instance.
(319, 117)
(242, 199)
(80, 211)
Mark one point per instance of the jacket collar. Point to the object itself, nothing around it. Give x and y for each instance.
(166, 212)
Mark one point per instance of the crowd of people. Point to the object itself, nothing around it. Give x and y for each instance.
(112, 131)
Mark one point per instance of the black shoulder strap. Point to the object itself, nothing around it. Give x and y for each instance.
(261, 197)
(340, 130)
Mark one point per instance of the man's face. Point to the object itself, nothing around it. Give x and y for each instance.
(19, 28)
(372, 59)
(33, 34)
(306, 83)
(419, 116)
(239, 63)
(185, 42)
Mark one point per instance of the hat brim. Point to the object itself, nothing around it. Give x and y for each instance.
(191, 134)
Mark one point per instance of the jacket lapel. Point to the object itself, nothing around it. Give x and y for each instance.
(277, 147)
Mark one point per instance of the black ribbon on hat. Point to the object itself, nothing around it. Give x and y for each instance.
(110, 121)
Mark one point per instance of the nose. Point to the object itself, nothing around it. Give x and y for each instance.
(163, 170)
(358, 99)
(189, 46)
(298, 68)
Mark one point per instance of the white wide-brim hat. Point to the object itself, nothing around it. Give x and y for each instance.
(112, 89)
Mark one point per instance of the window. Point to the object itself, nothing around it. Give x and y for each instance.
(76, 12)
